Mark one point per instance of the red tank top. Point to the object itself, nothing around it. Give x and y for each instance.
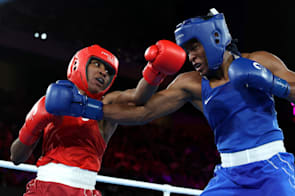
(73, 141)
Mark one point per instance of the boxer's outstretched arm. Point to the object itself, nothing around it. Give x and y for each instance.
(160, 104)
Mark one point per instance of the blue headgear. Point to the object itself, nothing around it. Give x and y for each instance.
(212, 33)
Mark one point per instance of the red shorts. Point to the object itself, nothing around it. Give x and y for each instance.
(41, 188)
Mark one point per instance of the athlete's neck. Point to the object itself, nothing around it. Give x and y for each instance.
(222, 72)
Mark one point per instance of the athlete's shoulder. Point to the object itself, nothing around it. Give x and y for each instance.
(188, 81)
(258, 55)
(188, 77)
(267, 59)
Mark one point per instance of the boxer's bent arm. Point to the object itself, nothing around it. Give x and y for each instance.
(278, 68)
(21, 152)
(164, 58)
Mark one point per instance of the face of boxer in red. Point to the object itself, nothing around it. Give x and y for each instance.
(93, 70)
(197, 56)
(98, 76)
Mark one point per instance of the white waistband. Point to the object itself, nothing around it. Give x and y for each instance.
(263, 152)
(68, 175)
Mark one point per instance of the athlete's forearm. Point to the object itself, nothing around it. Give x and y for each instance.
(161, 104)
(126, 114)
(20, 152)
(143, 92)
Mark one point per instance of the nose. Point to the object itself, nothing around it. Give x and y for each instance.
(103, 73)
(193, 59)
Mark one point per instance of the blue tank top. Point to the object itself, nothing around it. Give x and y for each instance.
(239, 119)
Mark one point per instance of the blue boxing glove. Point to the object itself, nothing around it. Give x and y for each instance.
(63, 98)
(245, 72)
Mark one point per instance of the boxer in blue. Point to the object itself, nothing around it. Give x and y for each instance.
(235, 92)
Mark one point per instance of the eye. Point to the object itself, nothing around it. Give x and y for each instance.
(195, 46)
(101, 65)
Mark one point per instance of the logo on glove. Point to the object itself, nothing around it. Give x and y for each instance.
(257, 65)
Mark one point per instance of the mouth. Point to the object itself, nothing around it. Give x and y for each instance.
(101, 81)
(197, 66)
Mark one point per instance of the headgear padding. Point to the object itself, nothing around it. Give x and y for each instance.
(77, 69)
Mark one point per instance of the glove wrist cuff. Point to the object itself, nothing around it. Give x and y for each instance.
(152, 76)
(93, 109)
(281, 87)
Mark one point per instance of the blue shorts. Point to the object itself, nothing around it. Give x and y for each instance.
(274, 176)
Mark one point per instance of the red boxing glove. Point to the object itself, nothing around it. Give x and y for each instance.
(164, 58)
(37, 119)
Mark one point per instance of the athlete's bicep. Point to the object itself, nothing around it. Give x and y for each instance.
(165, 102)
(185, 88)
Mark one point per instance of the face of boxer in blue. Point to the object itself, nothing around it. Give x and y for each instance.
(197, 56)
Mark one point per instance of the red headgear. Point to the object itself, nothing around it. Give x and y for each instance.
(77, 69)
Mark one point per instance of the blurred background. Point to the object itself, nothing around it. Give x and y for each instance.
(38, 39)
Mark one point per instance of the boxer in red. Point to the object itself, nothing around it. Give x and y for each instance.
(73, 145)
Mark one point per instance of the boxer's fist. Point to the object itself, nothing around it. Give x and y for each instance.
(164, 58)
(63, 98)
(245, 72)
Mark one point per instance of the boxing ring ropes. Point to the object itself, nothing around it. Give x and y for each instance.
(165, 188)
